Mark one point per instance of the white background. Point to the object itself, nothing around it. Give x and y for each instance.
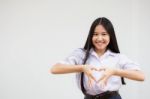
(35, 34)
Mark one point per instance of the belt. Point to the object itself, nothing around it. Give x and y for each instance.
(104, 95)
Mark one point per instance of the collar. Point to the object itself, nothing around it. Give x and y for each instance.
(107, 53)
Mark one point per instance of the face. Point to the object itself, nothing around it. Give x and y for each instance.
(100, 39)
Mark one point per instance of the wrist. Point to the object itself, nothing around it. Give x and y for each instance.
(116, 71)
(82, 68)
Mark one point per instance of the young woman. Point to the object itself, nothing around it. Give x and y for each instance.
(99, 66)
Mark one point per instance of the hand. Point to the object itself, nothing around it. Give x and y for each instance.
(87, 69)
(107, 73)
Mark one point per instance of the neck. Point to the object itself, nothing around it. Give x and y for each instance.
(100, 52)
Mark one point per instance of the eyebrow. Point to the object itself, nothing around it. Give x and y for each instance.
(101, 32)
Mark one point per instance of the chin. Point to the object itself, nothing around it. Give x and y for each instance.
(99, 49)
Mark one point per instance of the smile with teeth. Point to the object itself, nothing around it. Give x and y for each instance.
(99, 43)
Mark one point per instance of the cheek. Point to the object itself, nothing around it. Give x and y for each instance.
(93, 39)
(108, 40)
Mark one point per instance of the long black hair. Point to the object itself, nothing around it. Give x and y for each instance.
(113, 46)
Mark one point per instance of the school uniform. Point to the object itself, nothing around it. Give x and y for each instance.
(109, 59)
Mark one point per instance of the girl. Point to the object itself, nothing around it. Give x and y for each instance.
(99, 66)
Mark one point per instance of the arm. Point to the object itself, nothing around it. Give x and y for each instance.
(63, 68)
(129, 69)
(130, 74)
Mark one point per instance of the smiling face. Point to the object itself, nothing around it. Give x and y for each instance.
(100, 39)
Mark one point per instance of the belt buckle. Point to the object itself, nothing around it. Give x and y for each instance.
(97, 97)
(100, 95)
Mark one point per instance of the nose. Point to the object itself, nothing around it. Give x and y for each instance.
(99, 37)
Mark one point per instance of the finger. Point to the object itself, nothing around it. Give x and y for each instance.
(93, 68)
(102, 84)
(101, 78)
(102, 69)
(89, 82)
(89, 74)
(92, 77)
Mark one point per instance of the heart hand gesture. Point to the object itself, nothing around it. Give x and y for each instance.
(107, 73)
(87, 69)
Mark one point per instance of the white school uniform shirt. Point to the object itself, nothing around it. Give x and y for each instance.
(109, 59)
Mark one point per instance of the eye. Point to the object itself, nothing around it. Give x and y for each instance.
(95, 34)
(104, 34)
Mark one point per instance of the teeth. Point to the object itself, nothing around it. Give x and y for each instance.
(99, 42)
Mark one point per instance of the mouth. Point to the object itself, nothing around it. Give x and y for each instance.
(99, 43)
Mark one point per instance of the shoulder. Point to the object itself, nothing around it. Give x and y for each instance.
(125, 59)
(111, 53)
(79, 52)
(120, 56)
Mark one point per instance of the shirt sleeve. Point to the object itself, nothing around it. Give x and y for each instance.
(76, 57)
(126, 63)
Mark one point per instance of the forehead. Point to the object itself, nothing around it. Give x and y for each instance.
(99, 28)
